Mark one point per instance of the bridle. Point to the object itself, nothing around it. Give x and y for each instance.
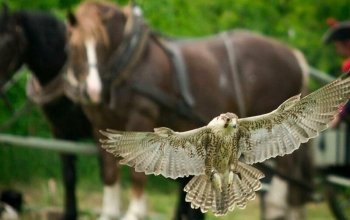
(121, 62)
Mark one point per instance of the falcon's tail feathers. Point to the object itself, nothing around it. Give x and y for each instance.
(202, 194)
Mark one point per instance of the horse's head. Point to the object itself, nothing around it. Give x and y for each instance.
(94, 34)
(12, 45)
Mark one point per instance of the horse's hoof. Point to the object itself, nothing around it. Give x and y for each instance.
(108, 217)
(111, 202)
(137, 209)
(216, 180)
(130, 216)
(133, 216)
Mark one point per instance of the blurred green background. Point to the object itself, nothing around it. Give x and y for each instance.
(299, 23)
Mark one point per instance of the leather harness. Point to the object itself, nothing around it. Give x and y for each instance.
(238, 92)
(44, 94)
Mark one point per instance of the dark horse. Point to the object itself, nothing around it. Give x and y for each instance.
(128, 78)
(38, 40)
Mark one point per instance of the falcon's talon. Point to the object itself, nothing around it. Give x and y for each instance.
(238, 174)
(216, 180)
(230, 178)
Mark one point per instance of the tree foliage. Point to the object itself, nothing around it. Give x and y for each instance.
(299, 23)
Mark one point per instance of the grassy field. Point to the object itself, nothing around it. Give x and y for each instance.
(161, 203)
(43, 194)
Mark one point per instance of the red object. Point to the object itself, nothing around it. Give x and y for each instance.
(331, 22)
(346, 65)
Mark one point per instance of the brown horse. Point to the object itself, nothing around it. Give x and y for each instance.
(130, 79)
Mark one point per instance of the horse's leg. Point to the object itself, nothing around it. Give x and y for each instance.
(184, 210)
(286, 200)
(69, 179)
(142, 117)
(111, 191)
(276, 200)
(137, 207)
(298, 196)
(181, 203)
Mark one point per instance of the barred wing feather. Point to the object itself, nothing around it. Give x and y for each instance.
(292, 123)
(171, 154)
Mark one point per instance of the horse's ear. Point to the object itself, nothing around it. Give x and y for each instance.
(133, 8)
(72, 20)
(132, 3)
(5, 17)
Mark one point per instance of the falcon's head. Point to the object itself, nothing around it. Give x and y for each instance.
(226, 120)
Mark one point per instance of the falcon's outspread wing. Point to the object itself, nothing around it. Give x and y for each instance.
(171, 154)
(292, 123)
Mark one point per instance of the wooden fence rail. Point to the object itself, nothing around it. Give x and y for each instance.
(320, 76)
(61, 146)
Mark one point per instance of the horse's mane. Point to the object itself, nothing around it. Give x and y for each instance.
(90, 17)
(46, 39)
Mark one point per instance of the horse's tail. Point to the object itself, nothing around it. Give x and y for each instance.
(202, 194)
(305, 70)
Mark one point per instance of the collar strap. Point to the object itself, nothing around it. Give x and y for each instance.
(129, 51)
(44, 94)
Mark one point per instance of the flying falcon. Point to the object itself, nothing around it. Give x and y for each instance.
(218, 154)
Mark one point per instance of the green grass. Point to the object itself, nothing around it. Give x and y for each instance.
(31, 176)
(30, 170)
(161, 197)
(23, 164)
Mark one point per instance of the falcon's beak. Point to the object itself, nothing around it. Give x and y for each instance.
(234, 123)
